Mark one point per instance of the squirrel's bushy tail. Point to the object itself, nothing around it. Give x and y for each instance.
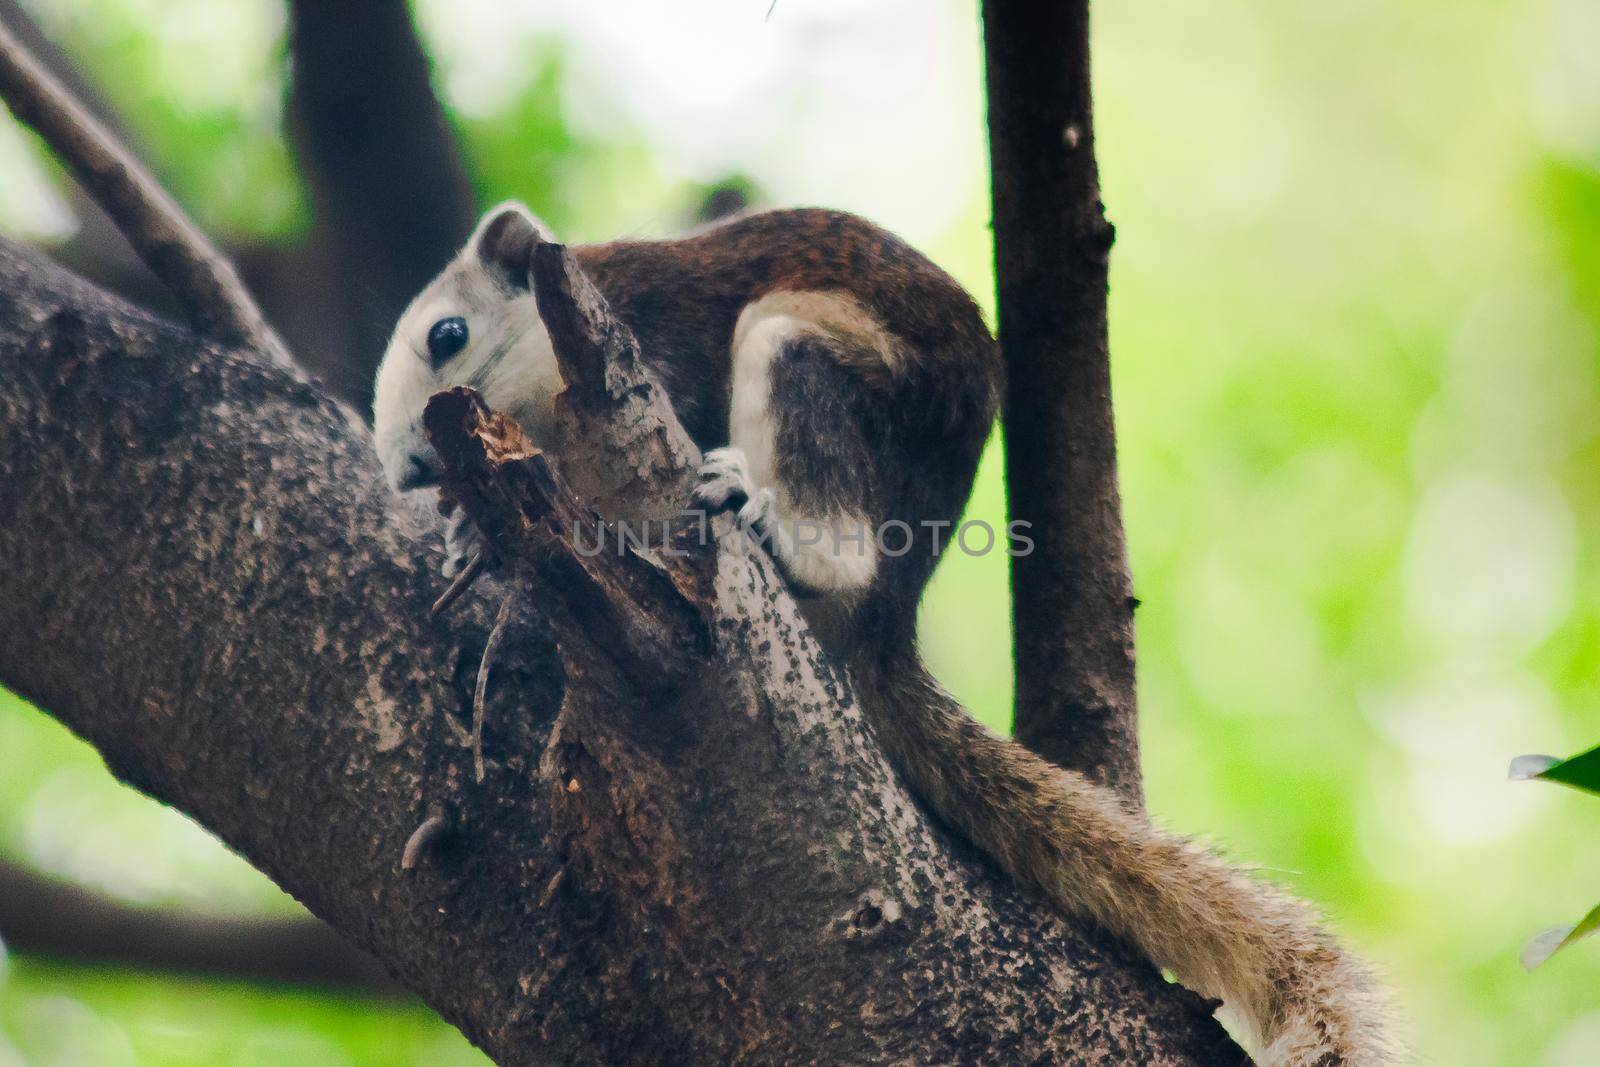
(1299, 997)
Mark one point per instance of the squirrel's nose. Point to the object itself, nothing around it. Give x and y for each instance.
(419, 473)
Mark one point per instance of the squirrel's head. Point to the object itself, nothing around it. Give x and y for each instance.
(476, 324)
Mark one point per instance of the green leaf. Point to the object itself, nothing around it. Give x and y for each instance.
(1551, 941)
(1579, 772)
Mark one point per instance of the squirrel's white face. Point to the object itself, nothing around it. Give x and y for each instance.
(478, 325)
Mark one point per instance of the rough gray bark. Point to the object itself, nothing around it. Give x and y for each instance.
(1072, 598)
(201, 574)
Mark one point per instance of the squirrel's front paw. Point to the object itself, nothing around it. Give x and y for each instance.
(757, 511)
(724, 479)
(462, 541)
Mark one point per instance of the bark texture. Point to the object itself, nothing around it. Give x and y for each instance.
(705, 862)
(1072, 598)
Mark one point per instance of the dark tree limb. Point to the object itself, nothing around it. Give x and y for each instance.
(48, 917)
(1072, 598)
(390, 195)
(52, 918)
(204, 283)
(26, 31)
(702, 862)
(389, 189)
(97, 249)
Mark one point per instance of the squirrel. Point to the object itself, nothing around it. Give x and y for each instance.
(839, 383)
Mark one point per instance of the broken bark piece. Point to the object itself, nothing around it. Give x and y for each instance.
(646, 611)
(639, 461)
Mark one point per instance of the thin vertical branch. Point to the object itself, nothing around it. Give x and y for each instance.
(388, 183)
(1072, 605)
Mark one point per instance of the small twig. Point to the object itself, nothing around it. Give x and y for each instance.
(168, 242)
(480, 692)
(553, 886)
(459, 585)
(426, 839)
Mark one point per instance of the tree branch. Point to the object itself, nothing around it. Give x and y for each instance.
(358, 102)
(389, 189)
(1072, 598)
(45, 52)
(203, 281)
(97, 249)
(49, 917)
(201, 573)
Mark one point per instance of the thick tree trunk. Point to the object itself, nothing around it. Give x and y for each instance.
(39, 914)
(1072, 598)
(201, 574)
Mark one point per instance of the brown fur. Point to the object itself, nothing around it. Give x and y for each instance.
(924, 402)
(1299, 998)
(919, 397)
(683, 297)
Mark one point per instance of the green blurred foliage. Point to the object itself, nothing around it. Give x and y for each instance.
(53, 1015)
(1355, 309)
(200, 85)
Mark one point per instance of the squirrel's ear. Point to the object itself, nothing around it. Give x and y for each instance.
(504, 242)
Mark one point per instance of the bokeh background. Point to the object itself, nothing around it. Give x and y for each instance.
(1355, 304)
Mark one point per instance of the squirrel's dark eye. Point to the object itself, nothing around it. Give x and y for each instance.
(446, 338)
